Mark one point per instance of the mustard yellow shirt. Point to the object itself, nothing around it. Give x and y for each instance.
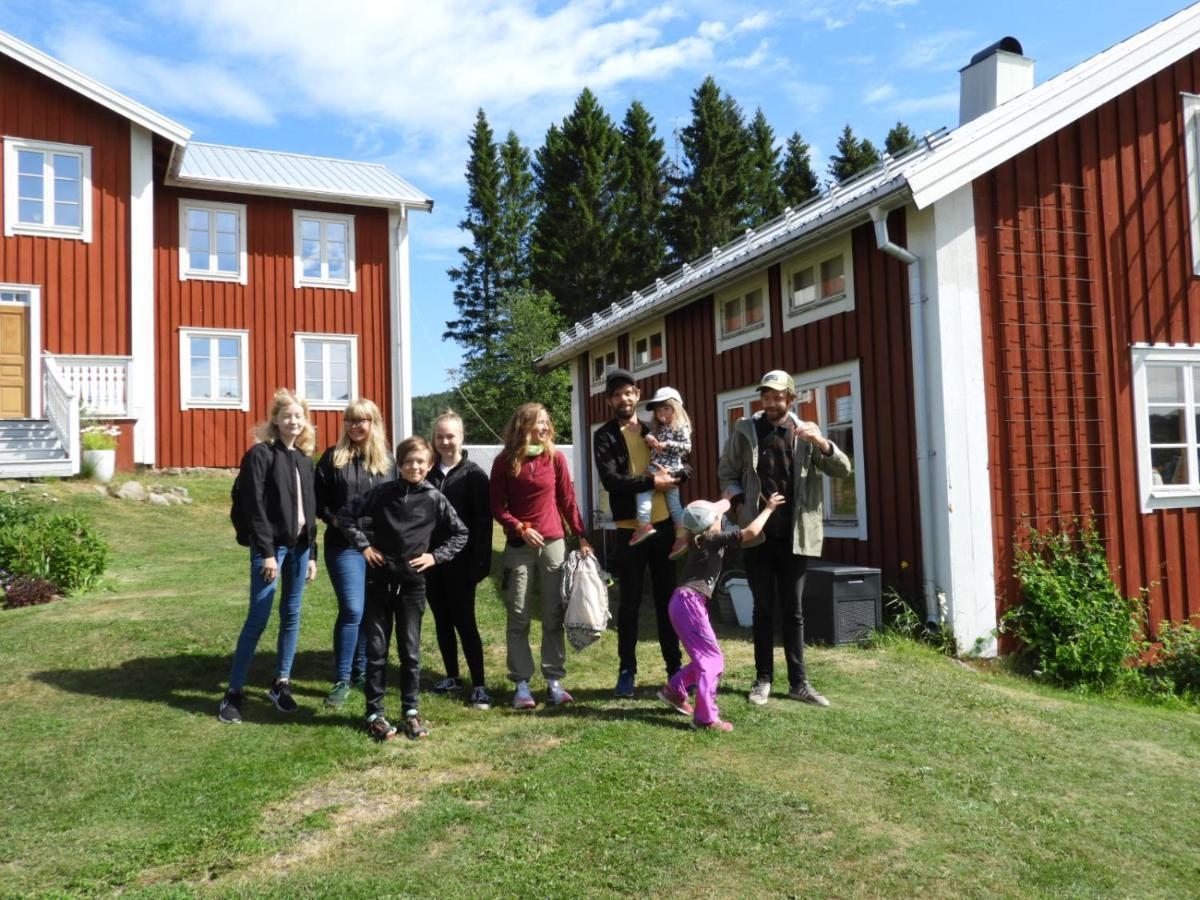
(639, 458)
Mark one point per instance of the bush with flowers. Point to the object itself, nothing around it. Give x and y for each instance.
(62, 549)
(99, 436)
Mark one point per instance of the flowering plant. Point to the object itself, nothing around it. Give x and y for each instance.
(100, 436)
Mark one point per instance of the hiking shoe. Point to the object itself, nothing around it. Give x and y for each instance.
(624, 688)
(677, 702)
(523, 699)
(480, 698)
(281, 695)
(759, 692)
(448, 685)
(641, 533)
(414, 728)
(718, 725)
(680, 547)
(806, 693)
(337, 695)
(359, 681)
(556, 694)
(380, 728)
(230, 710)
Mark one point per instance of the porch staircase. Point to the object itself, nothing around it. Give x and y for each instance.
(30, 448)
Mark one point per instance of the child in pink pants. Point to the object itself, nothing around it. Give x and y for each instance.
(689, 607)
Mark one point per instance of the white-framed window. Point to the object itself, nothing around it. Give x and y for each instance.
(648, 349)
(742, 311)
(601, 510)
(214, 368)
(1191, 141)
(741, 403)
(327, 369)
(818, 283)
(47, 189)
(1166, 400)
(600, 360)
(212, 241)
(324, 249)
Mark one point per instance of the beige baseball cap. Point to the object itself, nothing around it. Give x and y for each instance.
(778, 380)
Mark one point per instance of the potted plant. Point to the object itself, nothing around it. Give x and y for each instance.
(99, 444)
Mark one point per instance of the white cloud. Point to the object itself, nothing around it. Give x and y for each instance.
(879, 94)
(939, 51)
(936, 102)
(755, 60)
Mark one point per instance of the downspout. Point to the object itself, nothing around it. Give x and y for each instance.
(920, 408)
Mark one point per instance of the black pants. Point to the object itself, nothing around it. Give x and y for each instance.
(631, 563)
(451, 590)
(400, 597)
(776, 576)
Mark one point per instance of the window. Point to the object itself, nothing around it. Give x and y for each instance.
(47, 189)
(324, 250)
(602, 359)
(734, 405)
(327, 369)
(742, 314)
(1191, 142)
(214, 369)
(818, 283)
(1166, 397)
(212, 241)
(601, 511)
(648, 349)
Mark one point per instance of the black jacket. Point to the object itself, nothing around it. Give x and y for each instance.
(337, 487)
(612, 462)
(404, 517)
(267, 494)
(466, 487)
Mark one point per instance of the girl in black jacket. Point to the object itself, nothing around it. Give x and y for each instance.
(275, 493)
(359, 461)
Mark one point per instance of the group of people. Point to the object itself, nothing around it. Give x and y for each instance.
(417, 527)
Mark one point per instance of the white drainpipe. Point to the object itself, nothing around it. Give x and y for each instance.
(920, 408)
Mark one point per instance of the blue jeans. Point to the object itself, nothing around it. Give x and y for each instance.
(646, 498)
(293, 566)
(348, 572)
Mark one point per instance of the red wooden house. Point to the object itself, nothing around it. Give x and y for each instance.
(1001, 327)
(171, 286)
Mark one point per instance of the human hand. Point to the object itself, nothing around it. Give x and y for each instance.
(811, 432)
(423, 562)
(585, 548)
(653, 443)
(373, 557)
(270, 569)
(311, 575)
(664, 481)
(533, 538)
(775, 501)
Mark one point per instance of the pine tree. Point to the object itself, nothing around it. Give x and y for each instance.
(764, 196)
(899, 139)
(517, 204)
(797, 180)
(852, 156)
(641, 249)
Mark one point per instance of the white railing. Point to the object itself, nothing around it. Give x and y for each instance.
(62, 409)
(100, 381)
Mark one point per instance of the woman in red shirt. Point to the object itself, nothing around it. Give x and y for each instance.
(532, 495)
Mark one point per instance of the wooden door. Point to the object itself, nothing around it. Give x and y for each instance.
(14, 361)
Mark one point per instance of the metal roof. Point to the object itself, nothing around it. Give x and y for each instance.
(220, 167)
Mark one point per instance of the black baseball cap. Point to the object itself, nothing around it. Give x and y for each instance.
(617, 377)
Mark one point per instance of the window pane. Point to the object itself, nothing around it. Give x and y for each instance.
(67, 215)
(314, 389)
(199, 348)
(198, 240)
(312, 351)
(312, 259)
(833, 277)
(839, 404)
(310, 230)
(1167, 426)
(226, 243)
(754, 307)
(732, 414)
(1170, 465)
(804, 289)
(1164, 384)
(66, 166)
(227, 348)
(66, 191)
(339, 354)
(29, 187)
(656, 346)
(335, 232)
(30, 162)
(335, 253)
(314, 371)
(201, 371)
(227, 223)
(806, 406)
(337, 269)
(843, 494)
(229, 378)
(197, 220)
(641, 355)
(30, 211)
(227, 262)
(733, 315)
(597, 369)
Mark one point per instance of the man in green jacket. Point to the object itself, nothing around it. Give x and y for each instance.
(775, 451)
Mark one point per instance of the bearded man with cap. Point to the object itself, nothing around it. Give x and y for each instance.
(774, 451)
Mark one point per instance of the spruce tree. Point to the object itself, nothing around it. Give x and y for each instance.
(797, 180)
(641, 249)
(899, 139)
(852, 156)
(764, 196)
(516, 209)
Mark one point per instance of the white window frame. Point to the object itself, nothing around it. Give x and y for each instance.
(186, 401)
(1191, 142)
(757, 332)
(822, 307)
(1162, 496)
(739, 397)
(350, 340)
(186, 272)
(603, 351)
(647, 331)
(12, 226)
(324, 218)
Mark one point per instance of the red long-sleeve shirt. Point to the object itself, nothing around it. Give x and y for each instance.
(540, 495)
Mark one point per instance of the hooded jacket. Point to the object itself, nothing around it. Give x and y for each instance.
(404, 517)
(466, 487)
(267, 495)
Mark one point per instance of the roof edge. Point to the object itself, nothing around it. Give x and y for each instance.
(424, 204)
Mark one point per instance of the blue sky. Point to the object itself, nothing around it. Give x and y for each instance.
(399, 82)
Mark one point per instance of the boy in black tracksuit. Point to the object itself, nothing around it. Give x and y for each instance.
(403, 516)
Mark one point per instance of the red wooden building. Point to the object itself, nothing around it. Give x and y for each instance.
(1001, 327)
(171, 286)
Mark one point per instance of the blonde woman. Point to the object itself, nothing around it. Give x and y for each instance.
(532, 495)
(359, 461)
(276, 496)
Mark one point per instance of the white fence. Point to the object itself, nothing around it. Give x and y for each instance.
(101, 382)
(483, 455)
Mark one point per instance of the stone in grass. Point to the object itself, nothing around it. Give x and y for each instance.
(158, 500)
(178, 490)
(131, 490)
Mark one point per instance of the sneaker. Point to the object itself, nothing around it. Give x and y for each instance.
(448, 685)
(624, 688)
(523, 699)
(556, 694)
(679, 548)
(759, 692)
(230, 710)
(414, 728)
(677, 702)
(380, 728)
(337, 695)
(806, 693)
(281, 695)
(358, 681)
(480, 699)
(644, 531)
(718, 725)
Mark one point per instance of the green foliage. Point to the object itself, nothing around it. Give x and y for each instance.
(427, 407)
(99, 436)
(62, 548)
(517, 202)
(899, 139)
(1177, 666)
(1076, 626)
(797, 181)
(20, 590)
(763, 193)
(641, 250)
(901, 620)
(852, 157)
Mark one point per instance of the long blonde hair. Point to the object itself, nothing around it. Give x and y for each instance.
(306, 441)
(517, 432)
(375, 456)
(681, 419)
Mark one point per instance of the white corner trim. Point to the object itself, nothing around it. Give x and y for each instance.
(186, 273)
(243, 338)
(325, 218)
(34, 324)
(350, 340)
(399, 345)
(12, 226)
(579, 470)
(1191, 143)
(141, 382)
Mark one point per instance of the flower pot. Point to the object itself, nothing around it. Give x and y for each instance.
(743, 600)
(100, 464)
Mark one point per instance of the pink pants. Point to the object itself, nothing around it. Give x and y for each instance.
(689, 614)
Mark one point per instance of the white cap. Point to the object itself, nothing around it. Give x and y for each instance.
(661, 396)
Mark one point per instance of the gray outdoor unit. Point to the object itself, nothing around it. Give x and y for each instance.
(842, 604)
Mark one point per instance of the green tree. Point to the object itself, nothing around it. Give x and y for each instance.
(428, 407)
(797, 180)
(852, 157)
(764, 196)
(641, 250)
(899, 139)
(517, 204)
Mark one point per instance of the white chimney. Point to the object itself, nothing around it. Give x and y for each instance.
(995, 75)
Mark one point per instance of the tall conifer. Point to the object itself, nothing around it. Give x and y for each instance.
(852, 156)
(764, 197)
(517, 204)
(899, 139)
(641, 249)
(797, 181)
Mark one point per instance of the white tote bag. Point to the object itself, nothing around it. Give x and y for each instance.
(585, 595)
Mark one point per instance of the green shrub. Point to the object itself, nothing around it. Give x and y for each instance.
(16, 509)
(1073, 622)
(1177, 668)
(62, 548)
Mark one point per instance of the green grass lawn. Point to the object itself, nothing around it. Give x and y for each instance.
(923, 778)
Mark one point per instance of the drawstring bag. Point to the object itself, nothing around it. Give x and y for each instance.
(585, 595)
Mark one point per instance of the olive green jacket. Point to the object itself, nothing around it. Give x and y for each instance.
(737, 473)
